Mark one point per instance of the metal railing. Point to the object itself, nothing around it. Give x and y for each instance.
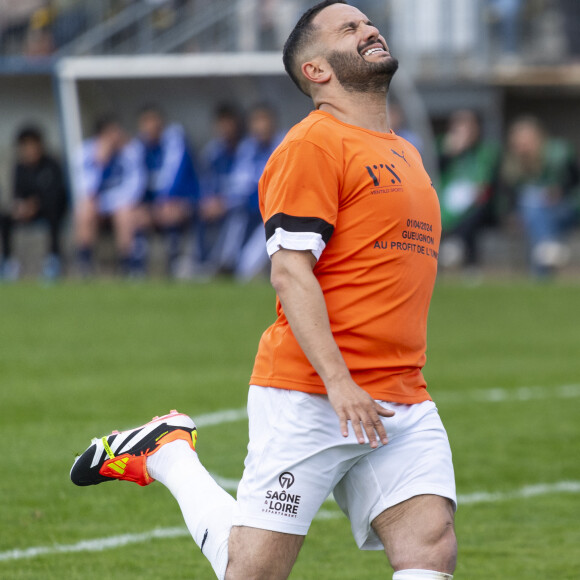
(434, 38)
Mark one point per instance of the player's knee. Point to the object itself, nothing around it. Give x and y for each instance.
(436, 551)
(255, 554)
(243, 569)
(445, 549)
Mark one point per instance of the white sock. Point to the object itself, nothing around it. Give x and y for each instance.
(421, 575)
(206, 507)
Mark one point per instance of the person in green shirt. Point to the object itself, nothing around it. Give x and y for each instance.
(468, 168)
(540, 179)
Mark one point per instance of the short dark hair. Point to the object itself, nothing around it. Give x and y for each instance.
(299, 38)
(263, 107)
(29, 133)
(150, 108)
(105, 122)
(227, 111)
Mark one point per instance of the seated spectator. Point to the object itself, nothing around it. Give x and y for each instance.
(571, 13)
(468, 167)
(217, 162)
(506, 17)
(15, 18)
(39, 39)
(112, 181)
(39, 195)
(172, 186)
(243, 244)
(541, 176)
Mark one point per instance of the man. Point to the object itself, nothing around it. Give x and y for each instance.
(242, 249)
(39, 194)
(172, 187)
(468, 165)
(112, 180)
(540, 179)
(352, 227)
(217, 161)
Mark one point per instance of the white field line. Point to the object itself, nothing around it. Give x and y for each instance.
(495, 395)
(101, 544)
(502, 395)
(221, 417)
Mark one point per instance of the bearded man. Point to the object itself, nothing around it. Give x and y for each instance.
(337, 401)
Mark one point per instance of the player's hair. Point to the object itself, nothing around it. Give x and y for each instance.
(149, 108)
(105, 122)
(29, 133)
(227, 111)
(299, 38)
(263, 107)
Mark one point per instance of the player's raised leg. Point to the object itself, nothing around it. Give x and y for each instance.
(164, 450)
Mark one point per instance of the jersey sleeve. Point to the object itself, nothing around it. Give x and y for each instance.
(299, 195)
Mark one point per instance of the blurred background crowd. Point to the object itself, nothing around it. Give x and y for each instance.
(547, 29)
(165, 181)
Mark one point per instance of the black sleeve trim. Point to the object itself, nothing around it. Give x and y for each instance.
(290, 223)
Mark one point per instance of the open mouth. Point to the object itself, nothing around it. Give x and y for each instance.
(373, 49)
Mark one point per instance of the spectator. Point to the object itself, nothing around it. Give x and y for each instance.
(243, 248)
(506, 15)
(172, 186)
(541, 176)
(39, 39)
(468, 166)
(571, 12)
(112, 181)
(39, 195)
(15, 20)
(217, 162)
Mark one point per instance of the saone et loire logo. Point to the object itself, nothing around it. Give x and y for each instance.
(286, 480)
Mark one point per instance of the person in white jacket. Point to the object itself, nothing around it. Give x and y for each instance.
(112, 180)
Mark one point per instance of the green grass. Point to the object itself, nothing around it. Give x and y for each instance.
(77, 360)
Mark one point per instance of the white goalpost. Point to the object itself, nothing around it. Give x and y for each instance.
(71, 70)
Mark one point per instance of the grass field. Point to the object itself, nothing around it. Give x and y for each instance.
(78, 360)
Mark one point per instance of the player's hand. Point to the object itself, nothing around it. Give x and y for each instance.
(353, 404)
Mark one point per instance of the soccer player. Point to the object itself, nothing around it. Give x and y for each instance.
(217, 161)
(242, 250)
(338, 402)
(172, 185)
(112, 180)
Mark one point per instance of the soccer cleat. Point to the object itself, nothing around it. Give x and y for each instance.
(124, 455)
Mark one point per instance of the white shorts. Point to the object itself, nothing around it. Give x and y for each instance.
(110, 202)
(297, 457)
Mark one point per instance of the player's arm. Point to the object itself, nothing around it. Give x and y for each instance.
(305, 308)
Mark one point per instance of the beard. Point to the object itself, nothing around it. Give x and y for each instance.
(357, 75)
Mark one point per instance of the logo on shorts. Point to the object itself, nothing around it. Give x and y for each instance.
(286, 480)
(280, 502)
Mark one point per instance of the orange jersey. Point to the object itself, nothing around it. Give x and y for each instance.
(362, 202)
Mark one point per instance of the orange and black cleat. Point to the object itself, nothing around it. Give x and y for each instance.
(123, 455)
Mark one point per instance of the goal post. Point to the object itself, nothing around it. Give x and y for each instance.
(71, 70)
